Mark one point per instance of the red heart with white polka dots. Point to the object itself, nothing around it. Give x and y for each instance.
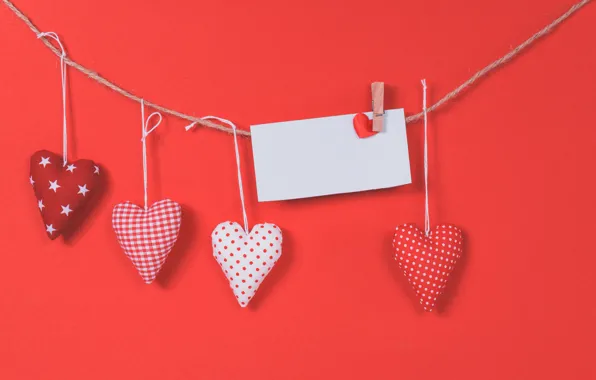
(246, 259)
(427, 261)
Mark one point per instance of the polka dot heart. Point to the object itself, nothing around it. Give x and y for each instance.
(427, 261)
(246, 259)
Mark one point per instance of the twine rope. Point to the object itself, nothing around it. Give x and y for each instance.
(206, 123)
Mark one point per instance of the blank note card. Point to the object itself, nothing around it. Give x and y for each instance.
(324, 156)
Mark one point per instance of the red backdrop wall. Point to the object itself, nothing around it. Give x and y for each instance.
(511, 163)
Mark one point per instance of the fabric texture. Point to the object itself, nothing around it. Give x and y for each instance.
(427, 261)
(63, 192)
(147, 236)
(246, 259)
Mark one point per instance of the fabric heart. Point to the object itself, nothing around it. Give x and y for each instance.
(147, 236)
(363, 126)
(427, 261)
(246, 259)
(63, 192)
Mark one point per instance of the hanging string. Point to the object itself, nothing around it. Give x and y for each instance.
(188, 127)
(426, 209)
(145, 133)
(54, 36)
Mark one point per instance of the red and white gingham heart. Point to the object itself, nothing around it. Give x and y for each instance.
(427, 261)
(246, 259)
(147, 236)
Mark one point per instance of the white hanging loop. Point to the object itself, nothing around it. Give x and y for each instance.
(237, 163)
(54, 36)
(426, 208)
(145, 133)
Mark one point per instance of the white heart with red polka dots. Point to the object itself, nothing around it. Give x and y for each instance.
(246, 259)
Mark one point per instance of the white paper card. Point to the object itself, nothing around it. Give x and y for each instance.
(323, 156)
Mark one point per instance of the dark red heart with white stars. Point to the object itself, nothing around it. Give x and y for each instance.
(63, 192)
(427, 261)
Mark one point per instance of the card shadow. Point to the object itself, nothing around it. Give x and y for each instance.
(390, 96)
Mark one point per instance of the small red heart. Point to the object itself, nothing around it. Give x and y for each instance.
(363, 126)
(63, 192)
(427, 261)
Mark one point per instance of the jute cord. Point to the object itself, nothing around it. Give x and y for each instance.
(206, 123)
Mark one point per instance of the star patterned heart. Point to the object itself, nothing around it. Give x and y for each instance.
(427, 261)
(147, 236)
(246, 259)
(62, 191)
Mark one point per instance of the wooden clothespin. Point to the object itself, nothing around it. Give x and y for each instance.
(378, 92)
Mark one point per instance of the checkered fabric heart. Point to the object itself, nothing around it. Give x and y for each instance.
(147, 236)
(427, 261)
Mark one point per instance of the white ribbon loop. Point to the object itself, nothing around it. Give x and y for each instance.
(426, 208)
(54, 36)
(145, 133)
(188, 127)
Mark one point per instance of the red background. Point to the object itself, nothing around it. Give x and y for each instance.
(511, 163)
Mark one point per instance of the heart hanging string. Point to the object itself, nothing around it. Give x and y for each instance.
(54, 36)
(147, 234)
(245, 257)
(145, 133)
(426, 208)
(240, 187)
(64, 204)
(427, 258)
